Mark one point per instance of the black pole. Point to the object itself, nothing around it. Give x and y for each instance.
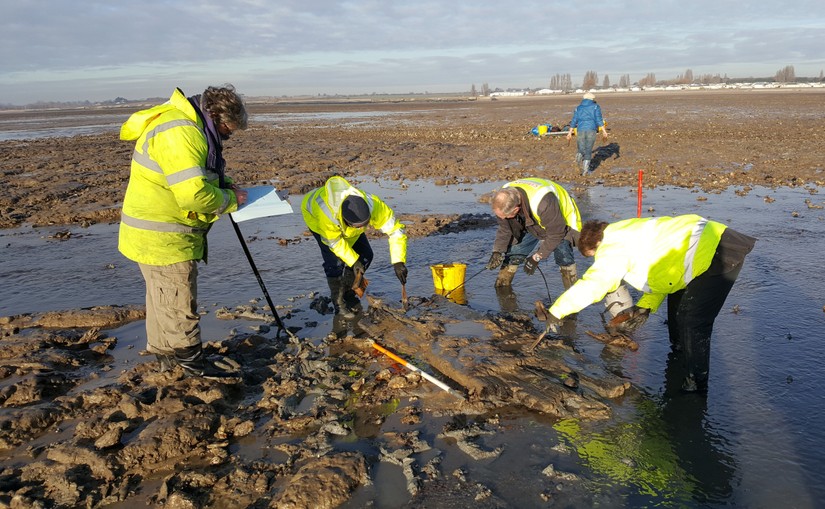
(278, 321)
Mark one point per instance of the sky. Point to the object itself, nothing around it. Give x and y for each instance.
(97, 50)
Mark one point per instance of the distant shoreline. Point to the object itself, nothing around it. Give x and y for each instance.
(433, 98)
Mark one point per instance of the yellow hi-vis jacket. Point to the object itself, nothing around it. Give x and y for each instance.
(657, 256)
(321, 209)
(537, 189)
(171, 199)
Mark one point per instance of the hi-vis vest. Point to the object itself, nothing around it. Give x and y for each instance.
(171, 199)
(657, 256)
(321, 209)
(537, 189)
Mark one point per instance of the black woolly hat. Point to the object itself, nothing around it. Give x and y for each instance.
(355, 211)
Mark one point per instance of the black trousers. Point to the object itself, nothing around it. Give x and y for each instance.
(690, 316)
(334, 266)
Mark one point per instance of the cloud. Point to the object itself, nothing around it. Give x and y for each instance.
(98, 49)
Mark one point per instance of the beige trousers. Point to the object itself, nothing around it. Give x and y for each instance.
(172, 320)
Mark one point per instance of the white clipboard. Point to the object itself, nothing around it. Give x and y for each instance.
(262, 201)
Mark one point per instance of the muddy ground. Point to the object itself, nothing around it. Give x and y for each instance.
(164, 439)
(169, 440)
(708, 139)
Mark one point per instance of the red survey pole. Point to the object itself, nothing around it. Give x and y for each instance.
(639, 196)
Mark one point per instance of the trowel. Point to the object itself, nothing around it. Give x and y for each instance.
(541, 314)
(360, 286)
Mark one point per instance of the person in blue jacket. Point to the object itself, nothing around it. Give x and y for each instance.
(587, 122)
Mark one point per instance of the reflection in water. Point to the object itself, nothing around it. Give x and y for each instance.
(754, 441)
(457, 295)
(666, 453)
(633, 457)
(367, 421)
(711, 468)
(506, 299)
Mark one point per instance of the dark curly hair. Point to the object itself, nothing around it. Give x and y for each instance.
(225, 106)
(592, 233)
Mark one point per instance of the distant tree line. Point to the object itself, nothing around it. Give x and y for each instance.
(561, 82)
(784, 75)
(591, 79)
(565, 83)
(787, 75)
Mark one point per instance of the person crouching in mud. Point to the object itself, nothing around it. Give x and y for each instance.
(688, 259)
(536, 217)
(337, 214)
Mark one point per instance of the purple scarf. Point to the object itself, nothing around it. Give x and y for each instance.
(214, 157)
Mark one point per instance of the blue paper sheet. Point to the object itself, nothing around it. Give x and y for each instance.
(263, 201)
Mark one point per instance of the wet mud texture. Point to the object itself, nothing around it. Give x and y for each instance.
(79, 430)
(709, 139)
(272, 440)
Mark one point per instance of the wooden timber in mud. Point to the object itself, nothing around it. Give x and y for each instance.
(494, 371)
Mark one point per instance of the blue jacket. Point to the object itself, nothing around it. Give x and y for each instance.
(587, 116)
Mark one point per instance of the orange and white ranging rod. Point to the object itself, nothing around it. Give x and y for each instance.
(399, 360)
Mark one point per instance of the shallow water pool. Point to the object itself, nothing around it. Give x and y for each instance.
(754, 441)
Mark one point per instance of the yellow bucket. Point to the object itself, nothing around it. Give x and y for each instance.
(458, 295)
(447, 278)
(542, 130)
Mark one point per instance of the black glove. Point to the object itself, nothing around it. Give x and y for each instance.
(358, 269)
(496, 259)
(628, 320)
(400, 272)
(530, 265)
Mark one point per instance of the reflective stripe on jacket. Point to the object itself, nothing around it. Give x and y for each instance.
(170, 200)
(321, 209)
(537, 189)
(546, 211)
(657, 256)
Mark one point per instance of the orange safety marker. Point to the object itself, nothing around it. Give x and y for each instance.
(639, 196)
(399, 360)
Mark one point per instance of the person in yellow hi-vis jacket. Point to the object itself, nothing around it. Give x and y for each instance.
(688, 259)
(536, 217)
(337, 214)
(177, 189)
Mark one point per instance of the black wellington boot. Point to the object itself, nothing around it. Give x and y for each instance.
(338, 293)
(165, 362)
(339, 326)
(194, 363)
(696, 346)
